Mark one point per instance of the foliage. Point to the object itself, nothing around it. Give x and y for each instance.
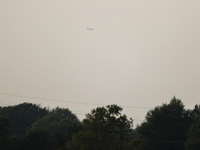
(166, 126)
(50, 129)
(18, 143)
(135, 144)
(4, 124)
(193, 141)
(22, 116)
(57, 120)
(41, 139)
(101, 129)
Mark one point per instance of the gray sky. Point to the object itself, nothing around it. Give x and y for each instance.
(139, 53)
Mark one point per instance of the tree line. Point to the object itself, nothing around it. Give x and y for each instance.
(168, 127)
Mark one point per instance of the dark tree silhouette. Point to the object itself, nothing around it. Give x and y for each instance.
(22, 116)
(166, 126)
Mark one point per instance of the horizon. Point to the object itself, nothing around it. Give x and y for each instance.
(139, 53)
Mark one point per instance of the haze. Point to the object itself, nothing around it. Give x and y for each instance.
(139, 53)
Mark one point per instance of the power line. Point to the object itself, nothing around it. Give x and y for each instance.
(4, 104)
(85, 114)
(7, 102)
(81, 112)
(47, 99)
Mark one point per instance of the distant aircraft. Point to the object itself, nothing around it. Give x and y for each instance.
(90, 29)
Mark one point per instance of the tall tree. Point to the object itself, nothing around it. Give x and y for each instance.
(57, 120)
(4, 124)
(193, 141)
(22, 116)
(166, 126)
(101, 129)
(41, 139)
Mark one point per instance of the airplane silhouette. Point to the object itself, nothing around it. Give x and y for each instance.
(90, 29)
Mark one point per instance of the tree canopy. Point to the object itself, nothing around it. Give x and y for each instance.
(193, 135)
(4, 124)
(166, 126)
(22, 116)
(57, 120)
(101, 129)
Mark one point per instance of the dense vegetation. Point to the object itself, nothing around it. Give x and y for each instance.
(22, 116)
(168, 127)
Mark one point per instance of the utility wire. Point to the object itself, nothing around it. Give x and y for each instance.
(85, 114)
(4, 104)
(7, 103)
(47, 99)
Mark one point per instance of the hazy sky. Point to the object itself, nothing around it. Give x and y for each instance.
(140, 53)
